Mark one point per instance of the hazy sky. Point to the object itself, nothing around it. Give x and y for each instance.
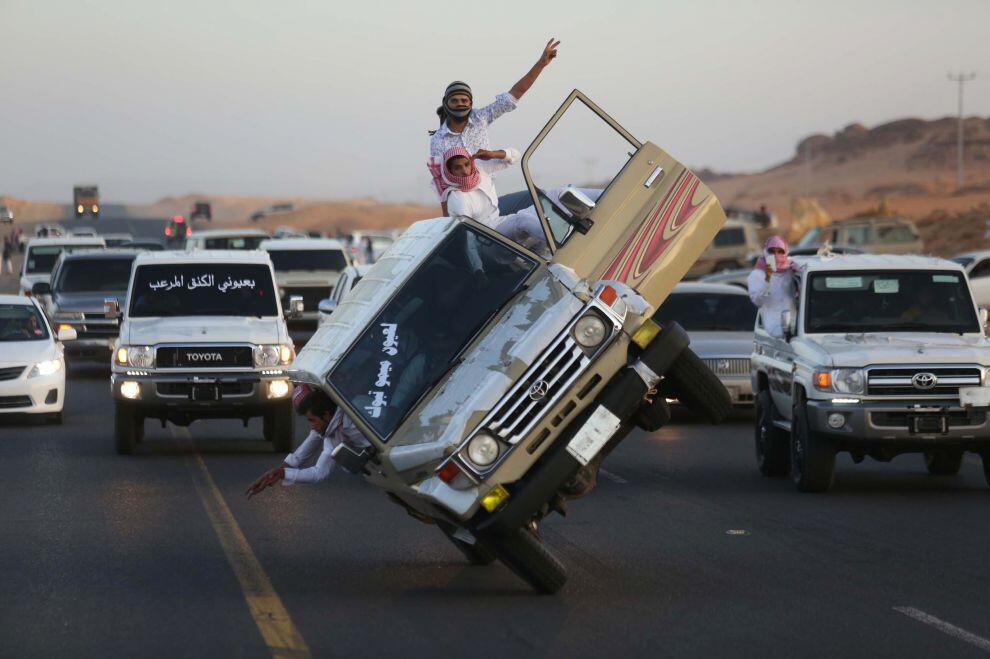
(333, 99)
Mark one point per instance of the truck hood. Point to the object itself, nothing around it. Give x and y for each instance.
(854, 350)
(84, 302)
(201, 329)
(489, 368)
(722, 344)
(306, 278)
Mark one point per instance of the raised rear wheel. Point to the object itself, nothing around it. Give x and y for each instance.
(128, 428)
(696, 387)
(279, 427)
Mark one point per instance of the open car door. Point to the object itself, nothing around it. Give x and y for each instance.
(643, 221)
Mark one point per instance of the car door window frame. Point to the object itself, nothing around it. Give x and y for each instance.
(575, 95)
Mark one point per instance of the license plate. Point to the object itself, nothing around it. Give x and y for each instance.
(593, 435)
(930, 425)
(205, 392)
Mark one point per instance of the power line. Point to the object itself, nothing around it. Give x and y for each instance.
(961, 79)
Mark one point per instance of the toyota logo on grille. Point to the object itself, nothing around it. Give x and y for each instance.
(924, 381)
(539, 390)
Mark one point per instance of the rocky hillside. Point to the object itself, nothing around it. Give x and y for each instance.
(909, 165)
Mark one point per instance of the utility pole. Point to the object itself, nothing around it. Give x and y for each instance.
(961, 79)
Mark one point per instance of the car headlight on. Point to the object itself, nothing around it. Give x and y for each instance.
(482, 450)
(140, 356)
(590, 331)
(47, 367)
(273, 355)
(848, 380)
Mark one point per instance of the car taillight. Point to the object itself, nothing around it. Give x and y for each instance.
(168, 231)
(188, 231)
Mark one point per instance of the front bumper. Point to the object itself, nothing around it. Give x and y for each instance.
(239, 394)
(894, 421)
(35, 395)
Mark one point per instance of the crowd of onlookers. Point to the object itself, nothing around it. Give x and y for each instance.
(12, 242)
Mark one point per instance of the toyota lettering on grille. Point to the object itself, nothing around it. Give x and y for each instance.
(539, 390)
(204, 356)
(924, 381)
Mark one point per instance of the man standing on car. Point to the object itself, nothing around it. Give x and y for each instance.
(463, 126)
(330, 427)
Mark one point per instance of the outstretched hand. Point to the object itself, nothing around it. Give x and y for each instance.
(484, 154)
(264, 481)
(549, 52)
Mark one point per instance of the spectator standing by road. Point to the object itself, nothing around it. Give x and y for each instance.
(463, 126)
(772, 284)
(8, 248)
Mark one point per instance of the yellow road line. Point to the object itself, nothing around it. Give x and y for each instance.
(267, 610)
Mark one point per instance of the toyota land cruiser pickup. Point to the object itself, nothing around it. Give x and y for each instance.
(491, 380)
(202, 337)
(884, 355)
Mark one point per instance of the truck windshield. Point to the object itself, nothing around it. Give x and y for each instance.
(420, 332)
(203, 289)
(21, 322)
(41, 259)
(94, 275)
(308, 259)
(889, 301)
(708, 312)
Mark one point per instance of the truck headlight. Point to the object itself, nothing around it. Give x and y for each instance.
(848, 380)
(47, 367)
(140, 356)
(482, 450)
(590, 331)
(274, 354)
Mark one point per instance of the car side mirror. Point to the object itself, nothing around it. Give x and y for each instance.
(351, 460)
(41, 288)
(787, 322)
(111, 308)
(66, 333)
(295, 307)
(576, 202)
(328, 306)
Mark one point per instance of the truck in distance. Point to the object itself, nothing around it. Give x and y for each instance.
(86, 200)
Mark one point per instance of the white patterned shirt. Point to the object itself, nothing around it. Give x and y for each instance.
(475, 133)
(340, 430)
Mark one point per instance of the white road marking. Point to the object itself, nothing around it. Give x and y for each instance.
(615, 478)
(737, 532)
(945, 627)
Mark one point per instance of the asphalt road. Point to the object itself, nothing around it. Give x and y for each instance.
(683, 550)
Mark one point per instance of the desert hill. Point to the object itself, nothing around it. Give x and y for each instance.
(906, 165)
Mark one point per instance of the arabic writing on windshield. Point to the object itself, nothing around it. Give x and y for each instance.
(234, 289)
(418, 335)
(890, 301)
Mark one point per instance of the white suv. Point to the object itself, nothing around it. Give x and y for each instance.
(884, 355)
(308, 268)
(203, 336)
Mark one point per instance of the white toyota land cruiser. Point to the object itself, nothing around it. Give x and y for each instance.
(202, 337)
(884, 355)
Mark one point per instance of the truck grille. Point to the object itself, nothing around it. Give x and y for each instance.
(311, 295)
(183, 389)
(204, 357)
(11, 372)
(541, 386)
(911, 381)
(728, 365)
